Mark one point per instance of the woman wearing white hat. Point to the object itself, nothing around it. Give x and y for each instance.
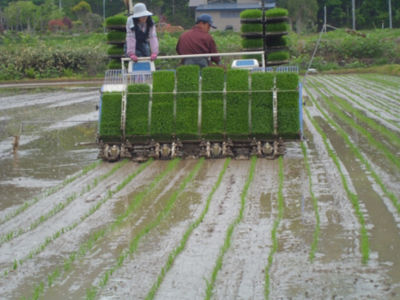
(141, 36)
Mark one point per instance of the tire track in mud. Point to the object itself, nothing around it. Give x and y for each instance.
(89, 205)
(187, 277)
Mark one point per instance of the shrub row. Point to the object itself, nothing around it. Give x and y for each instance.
(45, 62)
(212, 104)
(215, 122)
(187, 104)
(137, 110)
(162, 112)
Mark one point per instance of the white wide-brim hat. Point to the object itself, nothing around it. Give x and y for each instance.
(140, 10)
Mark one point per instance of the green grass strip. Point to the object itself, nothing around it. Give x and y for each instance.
(358, 154)
(50, 192)
(92, 292)
(274, 248)
(229, 232)
(314, 244)
(352, 197)
(55, 210)
(182, 244)
(371, 140)
(72, 257)
(380, 80)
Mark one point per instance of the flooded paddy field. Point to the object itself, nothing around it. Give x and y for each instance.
(322, 222)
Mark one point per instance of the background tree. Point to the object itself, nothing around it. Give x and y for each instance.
(20, 15)
(303, 14)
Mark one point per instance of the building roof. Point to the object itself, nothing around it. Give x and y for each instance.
(233, 6)
(195, 3)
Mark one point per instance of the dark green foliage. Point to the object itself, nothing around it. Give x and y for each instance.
(115, 50)
(110, 120)
(114, 64)
(278, 56)
(137, 110)
(251, 14)
(277, 27)
(276, 12)
(187, 104)
(162, 111)
(116, 36)
(237, 103)
(251, 28)
(212, 115)
(288, 105)
(262, 117)
(116, 20)
(252, 43)
(279, 41)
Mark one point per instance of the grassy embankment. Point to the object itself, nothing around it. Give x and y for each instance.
(58, 56)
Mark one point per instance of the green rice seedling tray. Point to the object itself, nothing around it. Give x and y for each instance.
(212, 113)
(187, 104)
(237, 103)
(110, 117)
(262, 116)
(137, 111)
(162, 111)
(288, 105)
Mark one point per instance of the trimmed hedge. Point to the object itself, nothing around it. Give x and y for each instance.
(262, 116)
(137, 110)
(115, 50)
(116, 36)
(116, 20)
(251, 14)
(237, 104)
(251, 28)
(276, 12)
(187, 104)
(110, 120)
(288, 105)
(278, 56)
(252, 43)
(212, 114)
(162, 111)
(277, 27)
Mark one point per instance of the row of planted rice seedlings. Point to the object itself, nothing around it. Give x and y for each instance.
(228, 238)
(388, 81)
(362, 130)
(99, 234)
(68, 262)
(274, 248)
(352, 197)
(352, 94)
(92, 292)
(374, 98)
(49, 192)
(217, 118)
(56, 209)
(395, 201)
(171, 258)
(314, 244)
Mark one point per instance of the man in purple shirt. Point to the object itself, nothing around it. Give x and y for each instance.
(198, 41)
